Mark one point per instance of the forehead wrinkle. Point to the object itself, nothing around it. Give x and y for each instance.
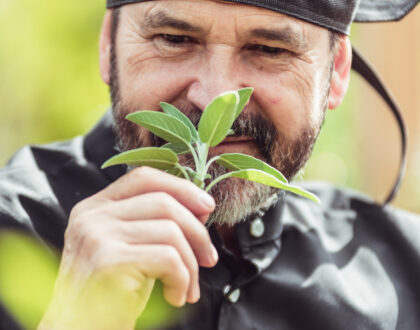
(290, 28)
(161, 18)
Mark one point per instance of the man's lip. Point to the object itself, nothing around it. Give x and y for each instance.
(235, 144)
(235, 139)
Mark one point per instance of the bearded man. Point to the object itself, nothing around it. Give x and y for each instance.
(246, 256)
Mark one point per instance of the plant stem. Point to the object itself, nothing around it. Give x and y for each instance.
(194, 154)
(183, 171)
(217, 180)
(211, 161)
(203, 150)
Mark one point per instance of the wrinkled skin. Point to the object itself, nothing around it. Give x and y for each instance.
(149, 224)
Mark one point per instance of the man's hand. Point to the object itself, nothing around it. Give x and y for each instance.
(146, 225)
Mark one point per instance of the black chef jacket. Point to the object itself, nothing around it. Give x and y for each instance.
(347, 263)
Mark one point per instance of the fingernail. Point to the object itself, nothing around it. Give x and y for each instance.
(208, 201)
(214, 254)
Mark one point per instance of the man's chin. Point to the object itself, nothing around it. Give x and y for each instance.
(235, 198)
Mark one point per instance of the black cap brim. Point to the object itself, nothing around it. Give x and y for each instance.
(382, 11)
(336, 15)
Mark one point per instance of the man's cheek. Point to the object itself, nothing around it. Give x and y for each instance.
(140, 60)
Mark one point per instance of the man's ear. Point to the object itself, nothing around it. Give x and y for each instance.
(105, 47)
(341, 75)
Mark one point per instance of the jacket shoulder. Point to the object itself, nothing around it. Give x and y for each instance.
(344, 213)
(28, 198)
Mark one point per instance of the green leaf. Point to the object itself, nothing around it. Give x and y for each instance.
(267, 179)
(243, 162)
(163, 125)
(176, 113)
(163, 159)
(218, 118)
(179, 150)
(244, 96)
(175, 171)
(231, 132)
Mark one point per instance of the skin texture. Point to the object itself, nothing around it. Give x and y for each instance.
(149, 224)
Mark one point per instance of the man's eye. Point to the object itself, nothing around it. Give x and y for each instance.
(267, 49)
(175, 40)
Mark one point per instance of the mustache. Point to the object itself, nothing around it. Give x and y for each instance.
(249, 124)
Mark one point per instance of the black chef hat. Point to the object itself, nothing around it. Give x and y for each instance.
(337, 15)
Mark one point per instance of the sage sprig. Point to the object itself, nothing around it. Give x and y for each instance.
(182, 137)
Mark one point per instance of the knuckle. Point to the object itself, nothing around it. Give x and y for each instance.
(175, 235)
(91, 238)
(75, 229)
(171, 257)
(176, 267)
(143, 173)
(194, 269)
(79, 216)
(85, 234)
(93, 244)
(203, 233)
(83, 223)
(172, 230)
(184, 278)
(77, 210)
(167, 204)
(68, 236)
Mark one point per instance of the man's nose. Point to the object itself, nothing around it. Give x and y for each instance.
(216, 74)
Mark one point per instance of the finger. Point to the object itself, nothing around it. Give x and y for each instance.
(163, 206)
(164, 232)
(203, 218)
(145, 179)
(162, 262)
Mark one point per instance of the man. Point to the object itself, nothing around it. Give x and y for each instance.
(268, 260)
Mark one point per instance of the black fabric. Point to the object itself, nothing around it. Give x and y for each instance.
(348, 263)
(381, 11)
(336, 15)
(7, 321)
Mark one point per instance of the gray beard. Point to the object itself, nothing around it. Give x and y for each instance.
(235, 198)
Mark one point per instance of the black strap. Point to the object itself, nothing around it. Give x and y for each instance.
(365, 69)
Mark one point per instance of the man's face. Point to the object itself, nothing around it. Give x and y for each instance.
(186, 52)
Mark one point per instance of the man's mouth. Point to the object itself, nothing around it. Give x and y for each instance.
(237, 139)
(233, 144)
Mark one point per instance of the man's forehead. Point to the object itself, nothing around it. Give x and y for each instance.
(202, 16)
(201, 11)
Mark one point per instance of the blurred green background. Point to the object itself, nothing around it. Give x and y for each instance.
(50, 85)
(51, 90)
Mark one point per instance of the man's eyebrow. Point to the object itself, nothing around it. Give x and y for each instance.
(285, 35)
(161, 19)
